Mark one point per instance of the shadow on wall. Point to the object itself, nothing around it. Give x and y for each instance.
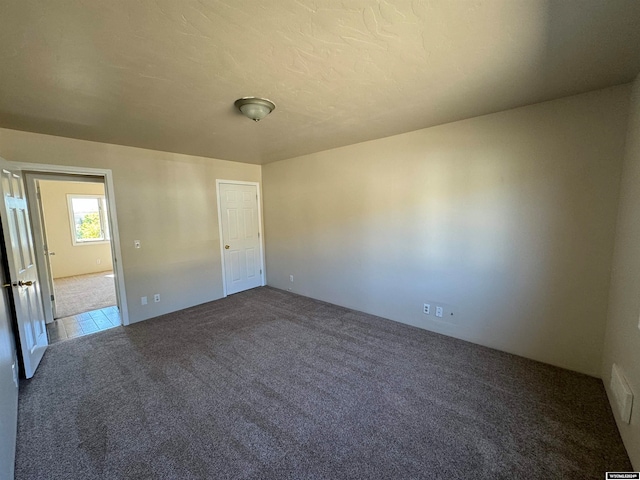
(509, 218)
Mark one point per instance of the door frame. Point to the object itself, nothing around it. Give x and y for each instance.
(260, 230)
(36, 168)
(39, 228)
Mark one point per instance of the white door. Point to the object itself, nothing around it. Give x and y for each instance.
(242, 254)
(40, 238)
(22, 269)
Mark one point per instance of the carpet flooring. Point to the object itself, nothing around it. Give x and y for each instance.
(266, 384)
(83, 293)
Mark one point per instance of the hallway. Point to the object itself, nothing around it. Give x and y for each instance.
(83, 324)
(84, 293)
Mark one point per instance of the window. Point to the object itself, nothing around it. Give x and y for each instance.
(87, 214)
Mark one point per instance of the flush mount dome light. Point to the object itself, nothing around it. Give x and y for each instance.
(255, 108)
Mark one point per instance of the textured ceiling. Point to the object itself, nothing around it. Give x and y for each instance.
(164, 74)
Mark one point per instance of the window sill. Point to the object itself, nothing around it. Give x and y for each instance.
(97, 242)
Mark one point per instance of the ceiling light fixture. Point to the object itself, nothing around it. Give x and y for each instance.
(255, 108)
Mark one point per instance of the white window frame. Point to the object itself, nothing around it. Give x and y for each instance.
(104, 227)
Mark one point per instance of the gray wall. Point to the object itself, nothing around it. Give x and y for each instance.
(622, 341)
(506, 219)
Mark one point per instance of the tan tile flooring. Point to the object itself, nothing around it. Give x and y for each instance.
(83, 324)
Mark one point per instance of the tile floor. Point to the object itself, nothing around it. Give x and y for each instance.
(83, 324)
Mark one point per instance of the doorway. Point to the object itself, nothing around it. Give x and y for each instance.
(71, 223)
(78, 243)
(29, 279)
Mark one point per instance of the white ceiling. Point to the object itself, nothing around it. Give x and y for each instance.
(164, 74)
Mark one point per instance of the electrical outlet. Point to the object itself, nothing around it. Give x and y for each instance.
(156, 298)
(143, 300)
(439, 312)
(291, 278)
(426, 309)
(136, 244)
(98, 261)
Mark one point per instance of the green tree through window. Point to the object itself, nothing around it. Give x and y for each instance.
(88, 218)
(89, 227)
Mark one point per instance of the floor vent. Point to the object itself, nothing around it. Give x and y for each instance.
(622, 393)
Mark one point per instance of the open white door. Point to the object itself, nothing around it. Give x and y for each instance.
(22, 269)
(48, 290)
(32, 184)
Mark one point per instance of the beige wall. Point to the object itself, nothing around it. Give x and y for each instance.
(622, 341)
(507, 219)
(70, 259)
(167, 201)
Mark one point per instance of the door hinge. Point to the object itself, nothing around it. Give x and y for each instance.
(260, 271)
(52, 298)
(258, 234)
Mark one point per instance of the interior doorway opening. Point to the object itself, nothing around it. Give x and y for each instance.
(72, 226)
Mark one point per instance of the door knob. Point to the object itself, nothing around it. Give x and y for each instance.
(226, 247)
(28, 283)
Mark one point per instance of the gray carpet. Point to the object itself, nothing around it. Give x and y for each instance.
(266, 384)
(84, 293)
